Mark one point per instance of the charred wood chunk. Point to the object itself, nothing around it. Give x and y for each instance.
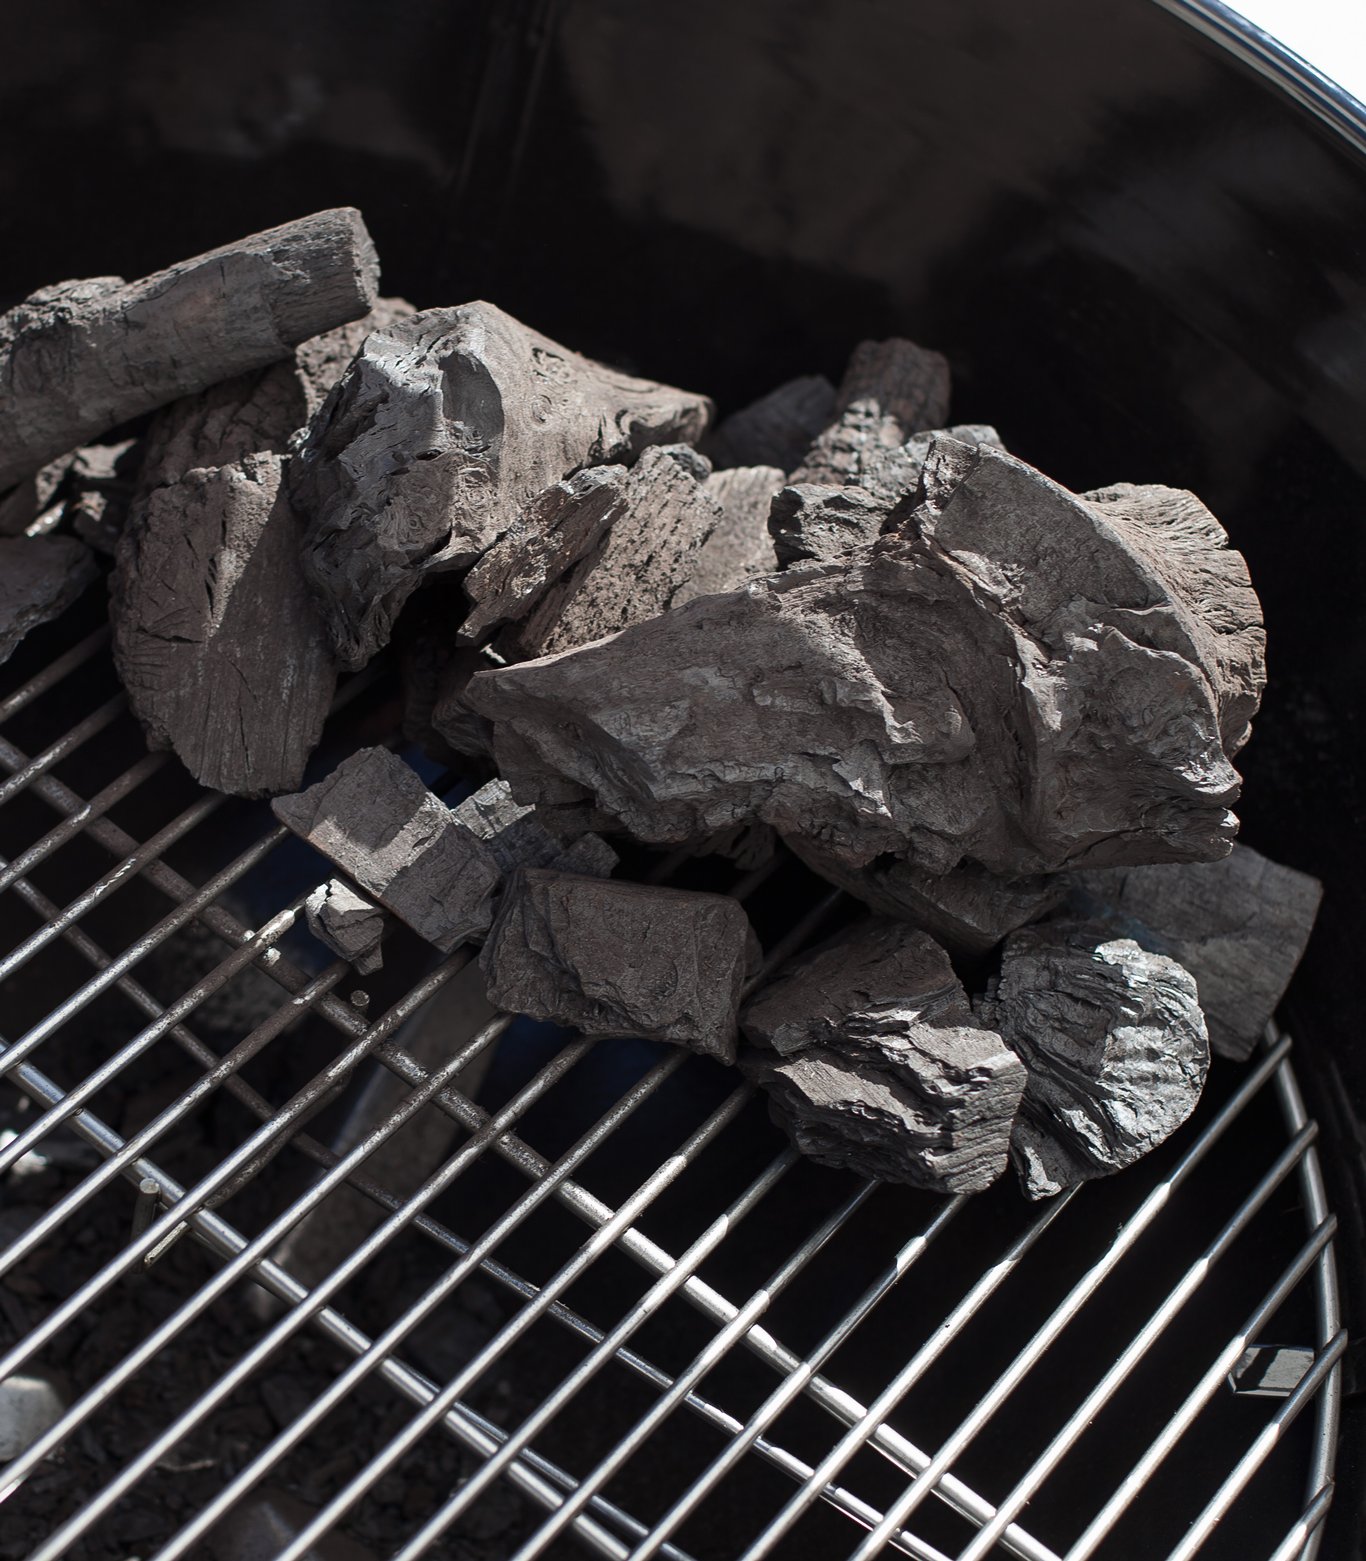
(216, 637)
(740, 548)
(79, 358)
(348, 924)
(811, 523)
(1239, 926)
(374, 819)
(559, 527)
(40, 577)
(517, 838)
(777, 429)
(642, 563)
(621, 959)
(968, 910)
(890, 390)
(873, 1062)
(32, 497)
(443, 430)
(1114, 1044)
(1004, 680)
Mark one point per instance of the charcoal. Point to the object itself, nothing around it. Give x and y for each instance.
(641, 565)
(814, 523)
(777, 429)
(220, 645)
(968, 910)
(27, 500)
(100, 482)
(443, 430)
(1239, 926)
(374, 819)
(559, 527)
(1003, 681)
(517, 838)
(1114, 1044)
(621, 959)
(30, 1405)
(40, 577)
(820, 523)
(348, 924)
(740, 548)
(81, 357)
(890, 390)
(873, 1062)
(216, 637)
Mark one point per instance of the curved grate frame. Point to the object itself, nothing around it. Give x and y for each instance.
(428, 1310)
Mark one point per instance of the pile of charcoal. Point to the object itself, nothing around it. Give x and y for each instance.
(999, 714)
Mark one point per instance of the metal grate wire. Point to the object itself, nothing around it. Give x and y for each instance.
(837, 1442)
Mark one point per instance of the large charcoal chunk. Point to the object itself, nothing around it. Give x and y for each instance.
(1239, 926)
(40, 577)
(373, 818)
(777, 429)
(890, 390)
(216, 637)
(613, 959)
(442, 431)
(969, 910)
(81, 357)
(1003, 680)
(873, 1062)
(1114, 1043)
(812, 523)
(641, 565)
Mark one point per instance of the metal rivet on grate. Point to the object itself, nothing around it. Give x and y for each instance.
(549, 1278)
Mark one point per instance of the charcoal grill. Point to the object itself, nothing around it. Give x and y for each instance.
(340, 1273)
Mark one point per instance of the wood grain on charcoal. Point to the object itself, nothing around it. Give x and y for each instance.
(640, 565)
(1114, 1044)
(220, 644)
(517, 838)
(873, 1062)
(445, 427)
(1004, 682)
(81, 357)
(374, 819)
(621, 959)
(40, 577)
(1239, 926)
(891, 389)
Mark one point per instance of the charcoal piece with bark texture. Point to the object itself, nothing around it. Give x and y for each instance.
(216, 637)
(40, 577)
(874, 1063)
(348, 924)
(559, 527)
(968, 910)
(442, 431)
(621, 959)
(890, 390)
(640, 566)
(81, 357)
(740, 548)
(1239, 926)
(777, 429)
(1114, 1044)
(374, 819)
(219, 642)
(1005, 681)
(517, 838)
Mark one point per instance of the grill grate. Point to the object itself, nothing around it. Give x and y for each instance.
(1071, 1397)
